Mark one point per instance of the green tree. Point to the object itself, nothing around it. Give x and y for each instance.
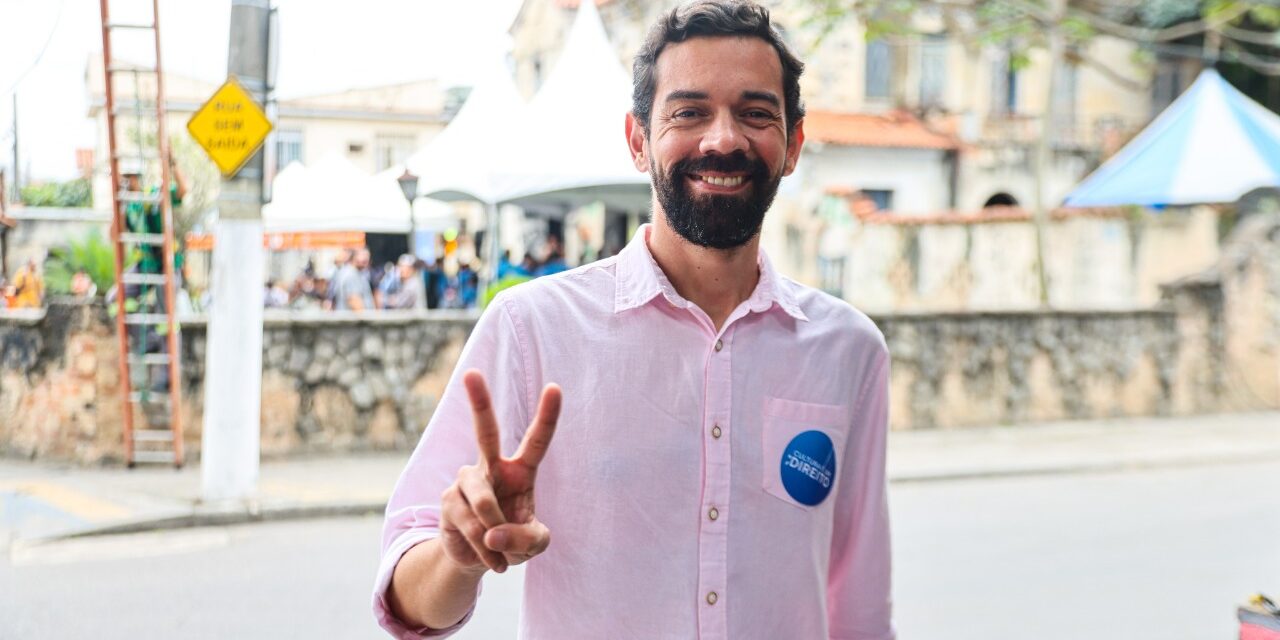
(203, 179)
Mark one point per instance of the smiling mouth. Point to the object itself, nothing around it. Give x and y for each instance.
(720, 181)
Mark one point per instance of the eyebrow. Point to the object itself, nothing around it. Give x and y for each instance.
(763, 96)
(684, 94)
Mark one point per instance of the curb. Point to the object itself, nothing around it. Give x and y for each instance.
(253, 513)
(216, 518)
(1083, 468)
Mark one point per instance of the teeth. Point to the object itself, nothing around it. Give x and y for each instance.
(730, 181)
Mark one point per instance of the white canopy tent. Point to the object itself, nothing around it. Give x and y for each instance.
(334, 195)
(572, 149)
(566, 148)
(458, 164)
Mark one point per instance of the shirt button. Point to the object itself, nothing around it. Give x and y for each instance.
(713, 513)
(712, 597)
(715, 431)
(719, 344)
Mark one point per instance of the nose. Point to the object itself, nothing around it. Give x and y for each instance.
(723, 136)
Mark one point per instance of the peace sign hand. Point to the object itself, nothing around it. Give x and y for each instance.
(486, 515)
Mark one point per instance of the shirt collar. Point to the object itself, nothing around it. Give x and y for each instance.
(640, 280)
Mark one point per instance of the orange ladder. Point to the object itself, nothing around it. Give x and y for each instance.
(149, 340)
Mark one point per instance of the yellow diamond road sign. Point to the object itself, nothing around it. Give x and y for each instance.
(230, 127)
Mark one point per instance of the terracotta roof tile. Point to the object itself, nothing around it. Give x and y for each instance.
(894, 129)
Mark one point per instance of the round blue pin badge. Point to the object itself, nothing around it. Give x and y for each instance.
(809, 467)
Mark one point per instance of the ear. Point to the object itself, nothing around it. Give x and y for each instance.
(794, 144)
(636, 140)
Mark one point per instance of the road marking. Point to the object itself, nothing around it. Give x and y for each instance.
(80, 505)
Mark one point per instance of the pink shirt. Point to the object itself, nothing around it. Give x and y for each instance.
(700, 484)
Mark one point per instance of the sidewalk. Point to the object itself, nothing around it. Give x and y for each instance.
(41, 501)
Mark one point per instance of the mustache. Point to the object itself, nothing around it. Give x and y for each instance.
(734, 162)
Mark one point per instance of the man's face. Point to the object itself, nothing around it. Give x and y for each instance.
(362, 259)
(717, 143)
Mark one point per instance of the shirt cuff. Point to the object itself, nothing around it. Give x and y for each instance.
(382, 609)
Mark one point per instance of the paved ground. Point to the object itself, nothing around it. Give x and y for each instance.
(39, 501)
(1147, 553)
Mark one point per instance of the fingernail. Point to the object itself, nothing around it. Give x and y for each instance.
(498, 540)
(502, 568)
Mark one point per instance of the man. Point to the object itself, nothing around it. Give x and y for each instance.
(351, 290)
(555, 258)
(28, 286)
(146, 217)
(718, 469)
(404, 289)
(330, 278)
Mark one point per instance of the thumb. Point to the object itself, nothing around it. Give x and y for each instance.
(529, 539)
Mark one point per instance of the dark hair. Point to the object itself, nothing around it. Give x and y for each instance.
(705, 18)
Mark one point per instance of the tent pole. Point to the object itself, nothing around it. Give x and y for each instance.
(491, 250)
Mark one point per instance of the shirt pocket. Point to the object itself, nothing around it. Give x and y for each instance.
(803, 449)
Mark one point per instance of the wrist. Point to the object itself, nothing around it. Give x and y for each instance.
(463, 570)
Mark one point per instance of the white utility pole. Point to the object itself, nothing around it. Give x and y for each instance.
(233, 361)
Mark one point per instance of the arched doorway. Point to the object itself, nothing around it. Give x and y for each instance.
(1001, 199)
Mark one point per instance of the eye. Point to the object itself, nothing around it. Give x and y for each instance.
(759, 114)
(685, 113)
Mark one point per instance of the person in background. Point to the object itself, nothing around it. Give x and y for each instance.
(147, 216)
(28, 286)
(82, 285)
(378, 276)
(555, 258)
(507, 268)
(351, 290)
(331, 278)
(433, 281)
(7, 294)
(529, 265)
(274, 295)
(404, 288)
(363, 262)
(468, 284)
(307, 291)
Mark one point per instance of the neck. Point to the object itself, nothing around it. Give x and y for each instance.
(717, 280)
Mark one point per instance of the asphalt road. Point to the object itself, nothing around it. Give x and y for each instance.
(1131, 555)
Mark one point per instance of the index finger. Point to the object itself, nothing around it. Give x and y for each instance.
(482, 416)
(538, 438)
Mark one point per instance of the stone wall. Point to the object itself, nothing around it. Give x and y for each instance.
(57, 365)
(981, 369)
(342, 381)
(1212, 344)
(334, 383)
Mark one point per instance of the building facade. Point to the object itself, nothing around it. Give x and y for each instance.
(926, 126)
(375, 127)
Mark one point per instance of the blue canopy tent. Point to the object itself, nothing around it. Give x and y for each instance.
(1212, 145)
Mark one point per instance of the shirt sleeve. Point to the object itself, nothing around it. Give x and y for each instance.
(449, 442)
(858, 600)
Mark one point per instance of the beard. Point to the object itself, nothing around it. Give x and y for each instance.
(716, 221)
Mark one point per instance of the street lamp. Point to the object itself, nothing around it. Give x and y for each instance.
(409, 186)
